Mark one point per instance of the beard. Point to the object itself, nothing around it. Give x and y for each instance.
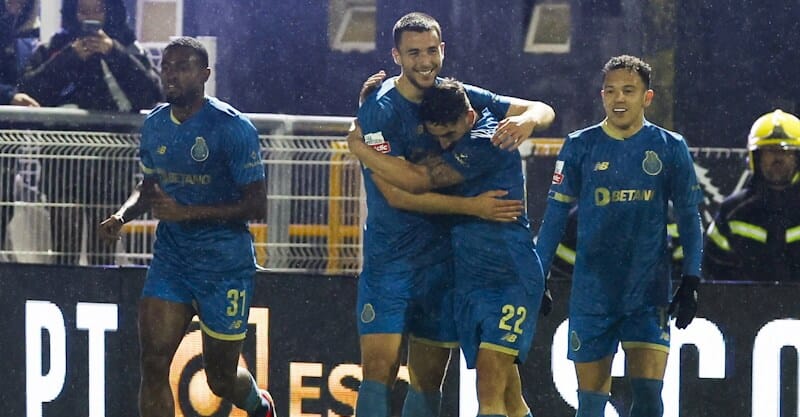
(183, 97)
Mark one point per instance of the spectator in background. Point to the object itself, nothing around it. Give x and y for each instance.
(19, 32)
(93, 63)
(756, 233)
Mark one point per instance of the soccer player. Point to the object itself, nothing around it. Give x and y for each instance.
(622, 173)
(406, 281)
(498, 277)
(203, 179)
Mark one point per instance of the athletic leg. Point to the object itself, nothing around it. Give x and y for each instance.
(162, 325)
(427, 366)
(380, 361)
(646, 369)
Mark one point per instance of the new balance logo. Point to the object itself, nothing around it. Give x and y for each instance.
(509, 337)
(601, 166)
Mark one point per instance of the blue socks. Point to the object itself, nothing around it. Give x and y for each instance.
(419, 404)
(373, 399)
(591, 404)
(647, 397)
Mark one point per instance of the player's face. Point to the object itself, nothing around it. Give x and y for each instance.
(624, 98)
(91, 10)
(420, 56)
(182, 76)
(448, 134)
(777, 166)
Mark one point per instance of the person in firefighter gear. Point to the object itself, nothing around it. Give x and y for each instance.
(755, 235)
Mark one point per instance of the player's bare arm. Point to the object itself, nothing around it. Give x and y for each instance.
(134, 206)
(252, 205)
(488, 206)
(522, 119)
(433, 173)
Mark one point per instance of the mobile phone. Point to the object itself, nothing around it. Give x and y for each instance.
(90, 27)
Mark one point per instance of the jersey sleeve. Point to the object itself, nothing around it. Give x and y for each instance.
(566, 183)
(686, 194)
(145, 151)
(482, 99)
(244, 152)
(684, 190)
(381, 128)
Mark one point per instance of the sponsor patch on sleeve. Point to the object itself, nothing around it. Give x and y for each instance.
(376, 141)
(558, 176)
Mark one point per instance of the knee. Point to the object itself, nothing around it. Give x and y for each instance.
(154, 363)
(380, 368)
(646, 397)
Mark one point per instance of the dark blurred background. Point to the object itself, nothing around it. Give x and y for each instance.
(718, 64)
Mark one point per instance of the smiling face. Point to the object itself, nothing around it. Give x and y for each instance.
(625, 97)
(420, 56)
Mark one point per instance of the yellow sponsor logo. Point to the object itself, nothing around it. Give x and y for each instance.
(603, 196)
(601, 166)
(183, 179)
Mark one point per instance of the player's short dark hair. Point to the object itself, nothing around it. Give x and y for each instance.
(188, 42)
(444, 103)
(630, 63)
(415, 22)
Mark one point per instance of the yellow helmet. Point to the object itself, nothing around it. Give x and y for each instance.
(775, 129)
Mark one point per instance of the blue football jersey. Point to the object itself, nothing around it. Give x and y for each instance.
(398, 240)
(205, 160)
(622, 188)
(486, 167)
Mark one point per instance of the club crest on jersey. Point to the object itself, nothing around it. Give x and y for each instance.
(377, 142)
(199, 149)
(558, 176)
(462, 158)
(651, 164)
(574, 341)
(367, 313)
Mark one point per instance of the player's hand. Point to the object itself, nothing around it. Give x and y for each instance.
(165, 207)
(684, 302)
(373, 82)
(81, 48)
(109, 229)
(22, 99)
(489, 206)
(512, 132)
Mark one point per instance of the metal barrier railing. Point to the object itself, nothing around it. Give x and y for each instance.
(62, 171)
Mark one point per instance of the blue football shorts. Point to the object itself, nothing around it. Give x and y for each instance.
(418, 302)
(498, 293)
(221, 301)
(593, 337)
